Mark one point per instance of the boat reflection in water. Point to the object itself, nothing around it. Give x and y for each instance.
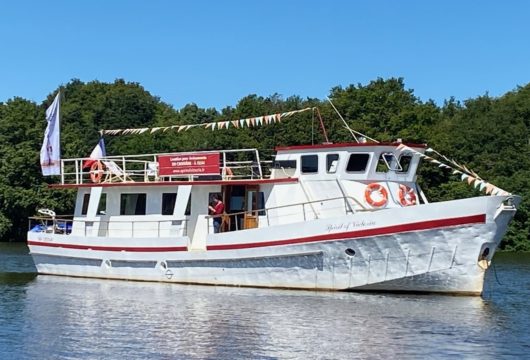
(90, 318)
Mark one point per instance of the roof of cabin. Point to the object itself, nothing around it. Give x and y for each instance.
(344, 145)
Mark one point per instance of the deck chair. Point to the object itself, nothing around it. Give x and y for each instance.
(115, 173)
(151, 171)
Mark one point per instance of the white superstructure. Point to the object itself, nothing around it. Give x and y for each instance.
(332, 216)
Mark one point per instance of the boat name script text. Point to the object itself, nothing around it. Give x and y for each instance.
(350, 225)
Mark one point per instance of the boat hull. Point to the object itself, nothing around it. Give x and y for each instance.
(437, 247)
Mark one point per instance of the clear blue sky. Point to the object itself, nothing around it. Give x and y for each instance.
(213, 53)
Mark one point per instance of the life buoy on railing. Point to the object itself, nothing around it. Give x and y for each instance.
(96, 172)
(407, 196)
(376, 195)
(228, 173)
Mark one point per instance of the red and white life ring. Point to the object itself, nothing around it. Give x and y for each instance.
(376, 195)
(407, 196)
(96, 172)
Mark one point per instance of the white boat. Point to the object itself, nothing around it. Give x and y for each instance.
(329, 217)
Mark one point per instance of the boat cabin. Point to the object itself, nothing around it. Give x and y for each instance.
(168, 195)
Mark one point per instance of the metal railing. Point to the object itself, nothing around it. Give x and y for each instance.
(234, 164)
(347, 208)
(104, 228)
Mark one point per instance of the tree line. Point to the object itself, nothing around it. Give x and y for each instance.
(490, 135)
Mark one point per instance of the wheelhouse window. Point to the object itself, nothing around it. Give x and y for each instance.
(388, 162)
(357, 162)
(168, 203)
(405, 161)
(332, 162)
(309, 164)
(285, 164)
(132, 204)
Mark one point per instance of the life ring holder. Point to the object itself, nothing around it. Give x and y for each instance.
(376, 188)
(96, 172)
(407, 196)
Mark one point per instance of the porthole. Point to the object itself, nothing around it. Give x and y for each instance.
(349, 252)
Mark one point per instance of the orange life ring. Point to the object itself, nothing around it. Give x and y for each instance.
(407, 196)
(379, 189)
(96, 172)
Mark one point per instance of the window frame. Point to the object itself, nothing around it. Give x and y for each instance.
(328, 164)
(136, 213)
(305, 156)
(366, 167)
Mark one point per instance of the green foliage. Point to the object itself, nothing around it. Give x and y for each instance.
(490, 135)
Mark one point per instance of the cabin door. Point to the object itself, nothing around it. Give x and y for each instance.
(251, 207)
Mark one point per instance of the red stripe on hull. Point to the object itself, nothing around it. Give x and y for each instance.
(107, 248)
(425, 225)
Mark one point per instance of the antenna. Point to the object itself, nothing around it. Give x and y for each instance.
(352, 132)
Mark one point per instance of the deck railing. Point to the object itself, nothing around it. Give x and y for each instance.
(114, 228)
(234, 164)
(306, 209)
(179, 227)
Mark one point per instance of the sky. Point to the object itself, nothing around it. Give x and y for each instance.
(213, 53)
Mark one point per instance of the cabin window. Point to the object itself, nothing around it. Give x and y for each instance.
(387, 162)
(256, 201)
(285, 164)
(102, 206)
(357, 162)
(168, 203)
(405, 161)
(309, 164)
(332, 162)
(188, 207)
(132, 204)
(84, 208)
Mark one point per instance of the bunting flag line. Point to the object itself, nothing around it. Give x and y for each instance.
(216, 125)
(465, 173)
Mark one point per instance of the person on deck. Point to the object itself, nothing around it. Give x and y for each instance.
(217, 211)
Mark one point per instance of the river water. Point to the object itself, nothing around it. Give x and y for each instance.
(48, 317)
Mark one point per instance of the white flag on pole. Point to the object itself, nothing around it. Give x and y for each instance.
(50, 152)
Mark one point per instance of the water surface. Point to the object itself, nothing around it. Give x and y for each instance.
(48, 317)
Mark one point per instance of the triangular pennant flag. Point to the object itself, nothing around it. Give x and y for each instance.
(213, 126)
(470, 180)
(235, 123)
(181, 128)
(464, 177)
(477, 183)
(429, 150)
(489, 188)
(456, 172)
(278, 117)
(153, 130)
(483, 185)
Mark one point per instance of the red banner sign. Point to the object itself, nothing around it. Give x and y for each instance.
(189, 164)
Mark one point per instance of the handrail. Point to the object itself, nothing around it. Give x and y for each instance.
(60, 226)
(130, 168)
(364, 208)
(347, 208)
